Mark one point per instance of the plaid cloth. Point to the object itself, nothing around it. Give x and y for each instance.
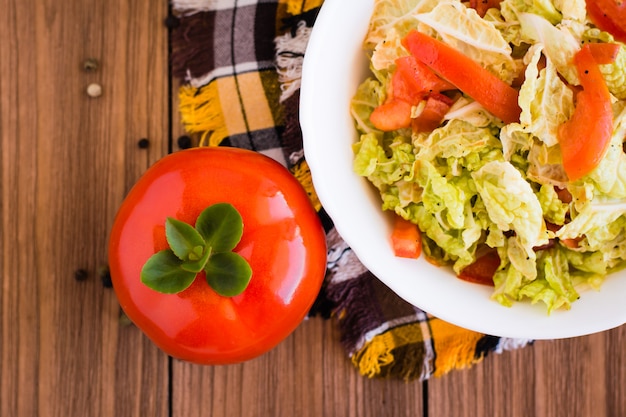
(239, 62)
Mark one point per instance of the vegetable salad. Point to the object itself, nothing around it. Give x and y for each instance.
(539, 180)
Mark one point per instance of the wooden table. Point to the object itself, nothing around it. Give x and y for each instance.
(67, 161)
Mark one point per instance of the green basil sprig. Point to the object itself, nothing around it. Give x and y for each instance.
(206, 247)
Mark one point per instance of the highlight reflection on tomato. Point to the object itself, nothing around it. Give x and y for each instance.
(283, 241)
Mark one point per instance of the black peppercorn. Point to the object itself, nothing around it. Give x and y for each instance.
(184, 142)
(91, 64)
(105, 277)
(171, 22)
(81, 274)
(143, 143)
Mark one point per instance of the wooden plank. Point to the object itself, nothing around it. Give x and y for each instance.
(501, 385)
(308, 374)
(614, 356)
(571, 377)
(67, 161)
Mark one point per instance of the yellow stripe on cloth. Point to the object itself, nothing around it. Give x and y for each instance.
(231, 106)
(303, 174)
(200, 112)
(296, 7)
(217, 110)
(455, 346)
(255, 105)
(378, 353)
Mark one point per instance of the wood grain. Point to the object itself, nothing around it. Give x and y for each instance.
(308, 375)
(66, 162)
(581, 376)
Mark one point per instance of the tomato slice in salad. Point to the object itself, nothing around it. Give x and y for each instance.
(413, 80)
(406, 239)
(392, 115)
(467, 75)
(437, 105)
(483, 269)
(481, 6)
(604, 53)
(609, 15)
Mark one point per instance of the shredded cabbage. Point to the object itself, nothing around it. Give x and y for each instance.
(475, 183)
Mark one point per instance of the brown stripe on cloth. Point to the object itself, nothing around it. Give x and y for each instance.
(368, 312)
(189, 42)
(292, 135)
(364, 303)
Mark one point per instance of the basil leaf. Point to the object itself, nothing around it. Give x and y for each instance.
(185, 241)
(221, 227)
(197, 266)
(162, 272)
(228, 273)
(207, 247)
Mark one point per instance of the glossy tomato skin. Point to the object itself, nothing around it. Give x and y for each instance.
(283, 241)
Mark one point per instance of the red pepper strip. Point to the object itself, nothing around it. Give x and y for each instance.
(495, 95)
(482, 270)
(585, 137)
(604, 53)
(437, 105)
(406, 239)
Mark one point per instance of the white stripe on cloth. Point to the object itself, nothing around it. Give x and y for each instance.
(343, 264)
(189, 7)
(241, 68)
(429, 349)
(368, 336)
(506, 343)
(289, 57)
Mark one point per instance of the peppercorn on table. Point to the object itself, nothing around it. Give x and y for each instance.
(86, 105)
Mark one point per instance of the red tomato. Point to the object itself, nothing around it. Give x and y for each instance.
(482, 270)
(411, 83)
(609, 15)
(467, 75)
(406, 239)
(564, 195)
(604, 53)
(283, 241)
(392, 115)
(413, 80)
(437, 105)
(482, 6)
(572, 243)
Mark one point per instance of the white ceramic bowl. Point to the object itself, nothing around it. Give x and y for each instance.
(334, 65)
